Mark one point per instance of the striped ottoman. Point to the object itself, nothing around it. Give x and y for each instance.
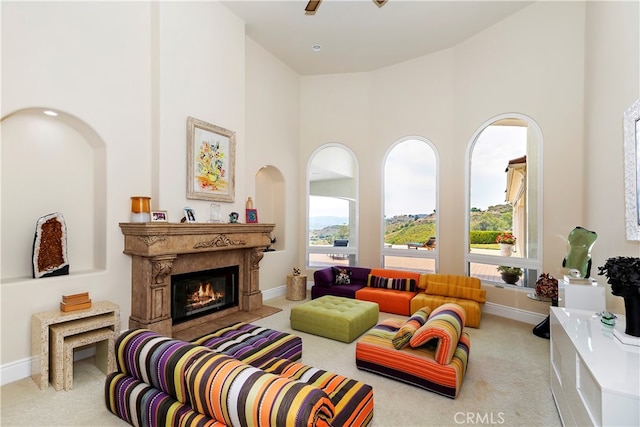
(252, 344)
(338, 318)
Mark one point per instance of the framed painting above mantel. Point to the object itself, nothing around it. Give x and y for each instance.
(632, 170)
(211, 156)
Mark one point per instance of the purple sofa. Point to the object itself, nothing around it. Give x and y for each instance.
(323, 283)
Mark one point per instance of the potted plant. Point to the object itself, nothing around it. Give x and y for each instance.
(510, 275)
(623, 274)
(506, 240)
(506, 237)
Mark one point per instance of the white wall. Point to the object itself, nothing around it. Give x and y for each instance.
(201, 59)
(612, 84)
(272, 135)
(133, 72)
(90, 60)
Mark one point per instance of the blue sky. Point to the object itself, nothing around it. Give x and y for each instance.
(410, 179)
(410, 175)
(495, 146)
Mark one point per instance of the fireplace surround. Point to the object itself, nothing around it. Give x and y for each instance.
(161, 250)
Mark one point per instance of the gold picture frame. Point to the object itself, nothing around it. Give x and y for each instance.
(211, 157)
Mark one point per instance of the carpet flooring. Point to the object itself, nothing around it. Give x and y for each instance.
(507, 383)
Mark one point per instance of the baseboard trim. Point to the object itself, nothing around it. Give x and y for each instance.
(525, 316)
(14, 371)
(272, 293)
(21, 369)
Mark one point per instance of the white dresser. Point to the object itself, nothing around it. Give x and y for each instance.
(595, 379)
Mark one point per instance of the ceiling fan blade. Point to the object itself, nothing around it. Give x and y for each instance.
(312, 6)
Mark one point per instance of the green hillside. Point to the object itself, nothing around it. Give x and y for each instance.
(418, 228)
(401, 229)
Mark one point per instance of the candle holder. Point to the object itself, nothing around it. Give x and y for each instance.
(140, 209)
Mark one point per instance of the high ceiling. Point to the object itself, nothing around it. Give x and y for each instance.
(358, 36)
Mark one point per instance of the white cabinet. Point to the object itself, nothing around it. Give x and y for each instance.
(595, 379)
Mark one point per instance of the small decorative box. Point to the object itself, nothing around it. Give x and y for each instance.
(607, 318)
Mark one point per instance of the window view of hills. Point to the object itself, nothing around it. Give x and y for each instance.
(401, 229)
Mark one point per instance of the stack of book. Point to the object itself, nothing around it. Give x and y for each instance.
(75, 302)
(578, 280)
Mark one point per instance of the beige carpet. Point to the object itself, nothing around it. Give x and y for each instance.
(507, 383)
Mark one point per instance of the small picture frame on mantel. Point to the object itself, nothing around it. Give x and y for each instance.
(252, 216)
(189, 215)
(159, 216)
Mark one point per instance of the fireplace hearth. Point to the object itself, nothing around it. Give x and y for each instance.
(200, 293)
(163, 252)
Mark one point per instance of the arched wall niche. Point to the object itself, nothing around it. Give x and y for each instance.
(270, 202)
(51, 164)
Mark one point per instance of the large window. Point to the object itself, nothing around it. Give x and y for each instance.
(410, 206)
(504, 185)
(332, 200)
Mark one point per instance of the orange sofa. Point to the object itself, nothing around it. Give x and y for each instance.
(433, 353)
(403, 292)
(391, 299)
(438, 289)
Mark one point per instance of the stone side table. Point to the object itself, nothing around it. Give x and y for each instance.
(101, 316)
(296, 287)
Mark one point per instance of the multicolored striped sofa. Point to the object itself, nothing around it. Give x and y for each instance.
(162, 381)
(403, 292)
(430, 350)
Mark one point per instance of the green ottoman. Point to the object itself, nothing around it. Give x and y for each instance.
(338, 318)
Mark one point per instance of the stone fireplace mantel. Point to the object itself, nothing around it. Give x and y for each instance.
(159, 250)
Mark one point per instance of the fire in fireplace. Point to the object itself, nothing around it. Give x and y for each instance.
(200, 293)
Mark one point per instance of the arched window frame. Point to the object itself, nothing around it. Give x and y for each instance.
(531, 264)
(350, 251)
(410, 253)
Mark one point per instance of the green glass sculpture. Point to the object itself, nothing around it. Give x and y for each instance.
(578, 260)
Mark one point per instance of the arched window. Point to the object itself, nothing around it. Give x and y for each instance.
(504, 199)
(332, 203)
(410, 206)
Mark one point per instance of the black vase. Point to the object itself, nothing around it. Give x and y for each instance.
(632, 315)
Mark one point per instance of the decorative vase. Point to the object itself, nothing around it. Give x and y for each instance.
(506, 249)
(511, 279)
(547, 286)
(632, 315)
(140, 209)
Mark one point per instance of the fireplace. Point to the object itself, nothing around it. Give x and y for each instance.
(163, 253)
(200, 293)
